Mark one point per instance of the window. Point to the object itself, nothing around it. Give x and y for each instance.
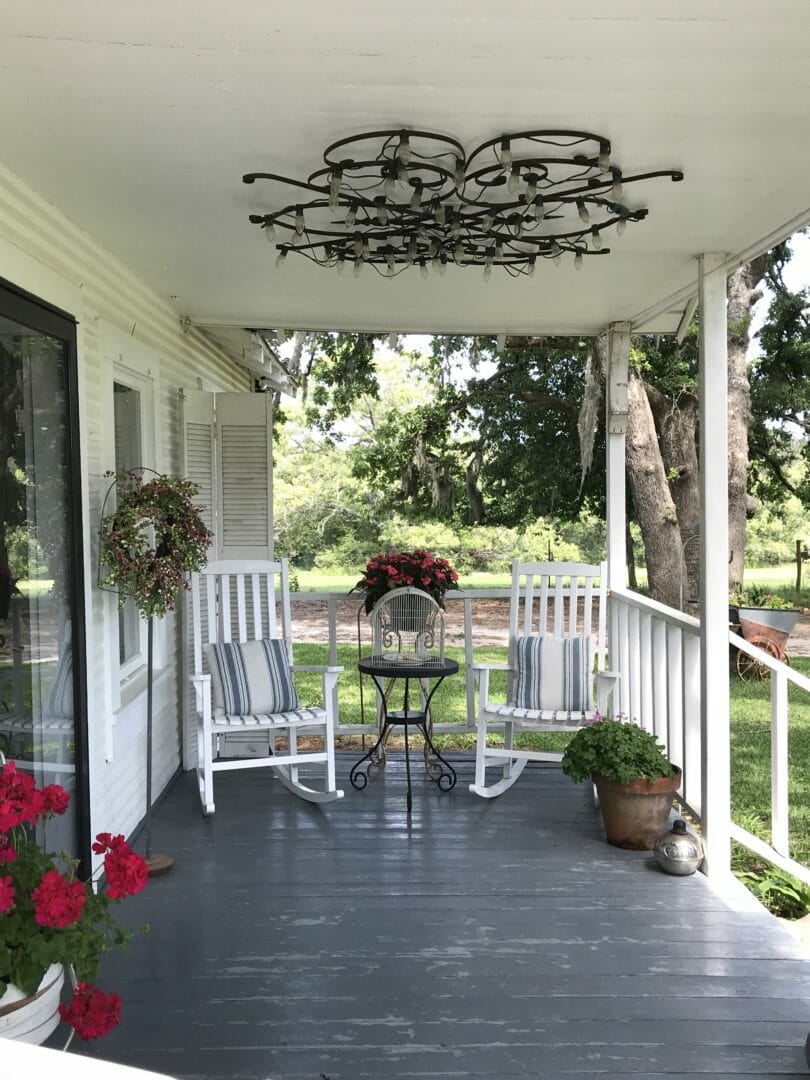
(127, 420)
(43, 694)
(129, 445)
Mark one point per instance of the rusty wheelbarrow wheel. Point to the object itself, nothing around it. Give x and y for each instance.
(748, 667)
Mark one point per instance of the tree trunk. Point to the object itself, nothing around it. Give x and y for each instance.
(676, 425)
(652, 499)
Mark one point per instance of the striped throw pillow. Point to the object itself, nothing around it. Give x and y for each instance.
(554, 674)
(59, 702)
(251, 677)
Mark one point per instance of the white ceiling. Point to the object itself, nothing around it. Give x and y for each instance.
(138, 121)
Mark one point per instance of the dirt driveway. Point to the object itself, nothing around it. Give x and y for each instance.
(489, 620)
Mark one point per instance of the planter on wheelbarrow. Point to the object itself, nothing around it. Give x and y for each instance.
(771, 624)
(767, 628)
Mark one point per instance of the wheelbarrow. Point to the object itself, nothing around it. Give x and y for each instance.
(767, 628)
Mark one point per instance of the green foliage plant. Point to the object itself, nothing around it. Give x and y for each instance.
(617, 749)
(757, 596)
(783, 894)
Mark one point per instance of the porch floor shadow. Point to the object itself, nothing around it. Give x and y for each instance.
(476, 939)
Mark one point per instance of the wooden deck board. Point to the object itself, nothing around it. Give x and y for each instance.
(478, 939)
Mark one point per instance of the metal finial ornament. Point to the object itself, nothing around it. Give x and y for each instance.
(399, 198)
(678, 851)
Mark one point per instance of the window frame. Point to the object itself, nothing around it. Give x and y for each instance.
(131, 364)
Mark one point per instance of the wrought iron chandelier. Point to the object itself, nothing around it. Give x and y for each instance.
(400, 198)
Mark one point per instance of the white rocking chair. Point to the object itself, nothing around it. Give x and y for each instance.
(243, 678)
(554, 644)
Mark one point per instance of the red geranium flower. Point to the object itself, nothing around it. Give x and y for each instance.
(127, 872)
(57, 901)
(55, 799)
(91, 1012)
(20, 799)
(7, 854)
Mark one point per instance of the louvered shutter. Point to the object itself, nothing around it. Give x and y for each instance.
(245, 434)
(228, 443)
(199, 459)
(227, 452)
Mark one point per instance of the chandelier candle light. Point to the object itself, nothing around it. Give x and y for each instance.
(399, 199)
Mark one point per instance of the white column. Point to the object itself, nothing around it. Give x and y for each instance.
(616, 425)
(714, 679)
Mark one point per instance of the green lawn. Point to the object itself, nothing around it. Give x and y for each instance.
(778, 578)
(318, 581)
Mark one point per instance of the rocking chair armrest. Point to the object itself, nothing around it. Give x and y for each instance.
(611, 676)
(202, 690)
(606, 683)
(493, 667)
(322, 669)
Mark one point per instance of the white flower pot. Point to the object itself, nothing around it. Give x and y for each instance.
(32, 1019)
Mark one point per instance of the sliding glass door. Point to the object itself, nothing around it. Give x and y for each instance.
(42, 692)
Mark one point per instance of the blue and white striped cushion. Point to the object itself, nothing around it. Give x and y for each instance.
(251, 677)
(554, 674)
(59, 702)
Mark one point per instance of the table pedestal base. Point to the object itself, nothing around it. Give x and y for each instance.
(440, 771)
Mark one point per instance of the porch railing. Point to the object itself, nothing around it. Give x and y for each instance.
(331, 600)
(657, 652)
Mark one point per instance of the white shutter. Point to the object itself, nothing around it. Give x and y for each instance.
(228, 453)
(199, 459)
(245, 432)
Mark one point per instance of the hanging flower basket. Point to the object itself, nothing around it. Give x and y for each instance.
(151, 541)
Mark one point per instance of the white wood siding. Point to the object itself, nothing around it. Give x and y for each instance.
(46, 254)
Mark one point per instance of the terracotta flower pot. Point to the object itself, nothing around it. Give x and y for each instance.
(635, 814)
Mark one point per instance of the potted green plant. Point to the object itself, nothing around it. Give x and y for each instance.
(764, 618)
(635, 780)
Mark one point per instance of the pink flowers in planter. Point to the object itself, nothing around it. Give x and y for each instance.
(47, 915)
(416, 568)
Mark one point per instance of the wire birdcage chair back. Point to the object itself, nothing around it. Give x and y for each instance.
(407, 626)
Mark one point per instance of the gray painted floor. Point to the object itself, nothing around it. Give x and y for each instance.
(480, 938)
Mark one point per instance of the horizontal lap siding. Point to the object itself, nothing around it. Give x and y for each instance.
(46, 254)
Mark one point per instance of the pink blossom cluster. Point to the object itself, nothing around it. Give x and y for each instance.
(418, 568)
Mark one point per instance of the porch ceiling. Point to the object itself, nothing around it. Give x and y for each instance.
(138, 121)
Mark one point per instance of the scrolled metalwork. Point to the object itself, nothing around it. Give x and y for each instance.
(401, 198)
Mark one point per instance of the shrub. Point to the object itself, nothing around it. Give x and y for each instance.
(618, 750)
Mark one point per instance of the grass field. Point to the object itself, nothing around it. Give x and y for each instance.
(779, 578)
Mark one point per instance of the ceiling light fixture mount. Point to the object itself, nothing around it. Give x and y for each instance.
(401, 198)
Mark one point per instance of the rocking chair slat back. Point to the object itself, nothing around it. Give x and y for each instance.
(553, 601)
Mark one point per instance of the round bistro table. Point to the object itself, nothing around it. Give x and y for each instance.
(382, 668)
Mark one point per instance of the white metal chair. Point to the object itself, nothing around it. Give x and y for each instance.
(243, 678)
(556, 652)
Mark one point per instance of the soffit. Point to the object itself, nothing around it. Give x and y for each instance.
(138, 121)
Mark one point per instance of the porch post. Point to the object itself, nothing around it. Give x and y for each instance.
(714, 685)
(616, 426)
